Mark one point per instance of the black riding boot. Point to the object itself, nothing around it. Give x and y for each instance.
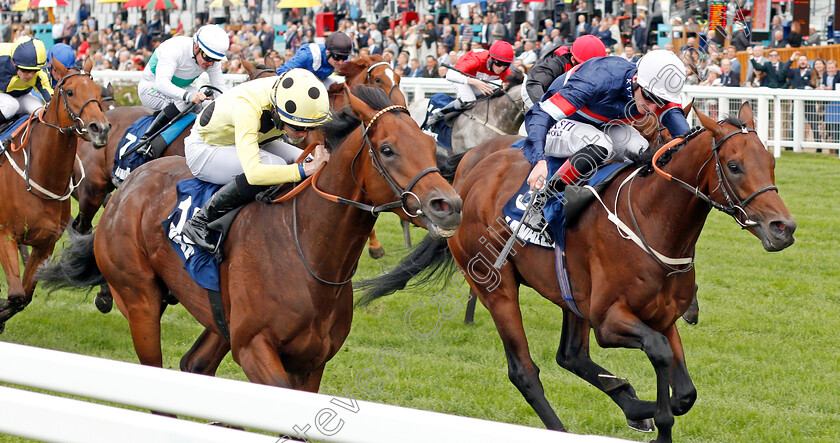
(229, 197)
(163, 118)
(438, 114)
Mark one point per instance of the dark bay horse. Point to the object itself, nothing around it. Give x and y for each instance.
(625, 295)
(36, 182)
(286, 290)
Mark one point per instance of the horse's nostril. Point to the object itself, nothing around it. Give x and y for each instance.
(782, 228)
(440, 205)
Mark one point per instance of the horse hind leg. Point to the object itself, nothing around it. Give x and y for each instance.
(206, 354)
(573, 355)
(469, 313)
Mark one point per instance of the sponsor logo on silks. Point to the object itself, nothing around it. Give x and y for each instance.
(529, 235)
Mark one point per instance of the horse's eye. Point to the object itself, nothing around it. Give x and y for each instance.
(733, 167)
(377, 80)
(386, 151)
(69, 92)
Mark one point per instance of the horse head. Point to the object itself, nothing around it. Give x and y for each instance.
(373, 71)
(742, 180)
(74, 95)
(402, 164)
(259, 71)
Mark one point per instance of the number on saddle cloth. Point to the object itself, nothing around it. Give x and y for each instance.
(201, 265)
(124, 165)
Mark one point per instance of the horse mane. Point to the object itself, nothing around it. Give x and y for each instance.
(516, 77)
(345, 120)
(645, 159)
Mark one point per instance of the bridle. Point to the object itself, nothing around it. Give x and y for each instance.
(78, 124)
(403, 193)
(734, 207)
(369, 78)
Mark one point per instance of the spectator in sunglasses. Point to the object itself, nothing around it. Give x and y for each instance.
(321, 59)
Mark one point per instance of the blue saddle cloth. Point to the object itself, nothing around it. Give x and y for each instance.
(7, 134)
(441, 132)
(124, 166)
(200, 264)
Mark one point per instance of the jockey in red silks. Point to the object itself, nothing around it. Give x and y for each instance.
(477, 68)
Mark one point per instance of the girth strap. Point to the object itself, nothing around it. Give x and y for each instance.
(218, 310)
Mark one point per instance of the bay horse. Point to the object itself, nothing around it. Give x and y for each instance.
(280, 334)
(627, 296)
(36, 182)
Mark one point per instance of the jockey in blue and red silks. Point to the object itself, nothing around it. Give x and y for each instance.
(585, 115)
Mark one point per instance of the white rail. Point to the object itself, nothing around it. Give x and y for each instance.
(277, 410)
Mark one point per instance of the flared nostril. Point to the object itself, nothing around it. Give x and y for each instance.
(781, 228)
(441, 206)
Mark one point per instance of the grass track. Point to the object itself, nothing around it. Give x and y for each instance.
(764, 357)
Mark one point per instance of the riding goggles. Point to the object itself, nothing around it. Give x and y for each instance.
(207, 58)
(647, 95)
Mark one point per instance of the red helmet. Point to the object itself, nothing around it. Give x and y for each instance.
(502, 51)
(588, 46)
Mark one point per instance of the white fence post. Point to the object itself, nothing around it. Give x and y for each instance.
(798, 124)
(777, 126)
(763, 123)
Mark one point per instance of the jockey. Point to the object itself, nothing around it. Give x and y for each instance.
(478, 67)
(592, 105)
(20, 72)
(235, 142)
(555, 63)
(65, 54)
(175, 64)
(320, 59)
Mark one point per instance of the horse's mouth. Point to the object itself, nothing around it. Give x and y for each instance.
(437, 232)
(776, 235)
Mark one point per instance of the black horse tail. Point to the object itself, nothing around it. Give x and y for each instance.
(448, 164)
(428, 257)
(75, 267)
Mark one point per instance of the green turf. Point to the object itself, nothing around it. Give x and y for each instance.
(764, 357)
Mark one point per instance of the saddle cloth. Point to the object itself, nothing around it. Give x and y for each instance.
(559, 210)
(202, 265)
(442, 131)
(124, 166)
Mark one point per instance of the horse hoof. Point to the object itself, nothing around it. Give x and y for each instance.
(104, 303)
(645, 425)
(2, 327)
(377, 253)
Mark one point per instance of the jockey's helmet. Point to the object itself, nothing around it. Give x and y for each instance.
(29, 54)
(339, 44)
(213, 41)
(588, 46)
(502, 51)
(661, 73)
(300, 99)
(63, 53)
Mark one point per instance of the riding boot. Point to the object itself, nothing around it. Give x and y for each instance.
(438, 114)
(161, 120)
(229, 197)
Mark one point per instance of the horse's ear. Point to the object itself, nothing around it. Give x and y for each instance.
(363, 111)
(746, 115)
(60, 69)
(249, 68)
(688, 108)
(350, 68)
(110, 90)
(88, 65)
(707, 122)
(270, 63)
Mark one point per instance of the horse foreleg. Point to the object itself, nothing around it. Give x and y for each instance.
(503, 305)
(24, 253)
(89, 204)
(692, 314)
(620, 328)
(11, 266)
(573, 355)
(684, 392)
(206, 354)
(375, 248)
(261, 362)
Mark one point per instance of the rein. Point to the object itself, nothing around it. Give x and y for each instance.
(734, 205)
(486, 121)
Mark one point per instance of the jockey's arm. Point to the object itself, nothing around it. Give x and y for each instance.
(302, 59)
(163, 80)
(44, 86)
(246, 120)
(674, 120)
(217, 80)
